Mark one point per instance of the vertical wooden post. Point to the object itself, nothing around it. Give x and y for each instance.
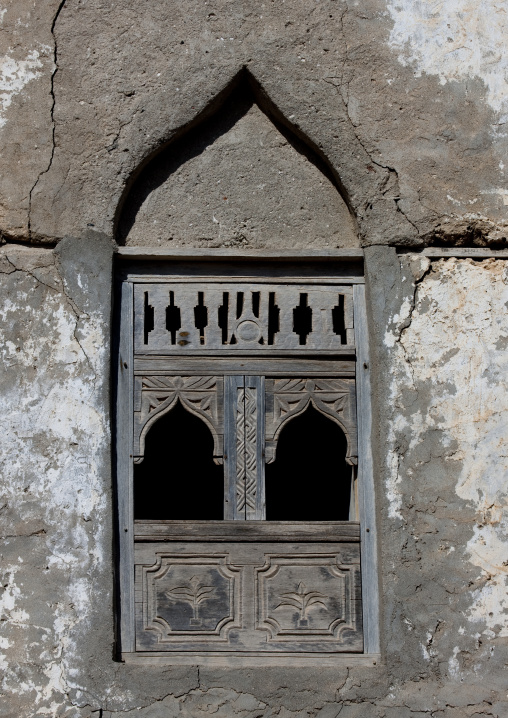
(244, 460)
(255, 449)
(233, 385)
(366, 490)
(125, 483)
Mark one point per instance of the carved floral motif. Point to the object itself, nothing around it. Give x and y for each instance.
(193, 593)
(302, 600)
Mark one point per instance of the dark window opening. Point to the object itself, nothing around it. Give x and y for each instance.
(273, 317)
(309, 479)
(239, 304)
(173, 318)
(178, 479)
(222, 318)
(201, 317)
(338, 319)
(255, 303)
(302, 319)
(149, 319)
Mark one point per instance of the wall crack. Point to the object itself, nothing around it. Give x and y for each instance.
(52, 115)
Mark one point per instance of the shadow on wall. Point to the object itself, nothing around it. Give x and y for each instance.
(237, 176)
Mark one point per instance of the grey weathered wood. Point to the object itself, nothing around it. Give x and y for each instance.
(345, 350)
(337, 270)
(231, 386)
(280, 366)
(288, 397)
(258, 510)
(244, 280)
(244, 553)
(201, 395)
(124, 468)
(244, 447)
(246, 332)
(221, 253)
(366, 487)
(335, 531)
(233, 659)
(160, 362)
(293, 597)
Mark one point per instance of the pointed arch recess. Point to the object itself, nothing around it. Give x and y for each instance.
(185, 141)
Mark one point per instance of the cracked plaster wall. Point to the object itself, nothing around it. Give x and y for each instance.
(440, 463)
(450, 410)
(88, 90)
(403, 100)
(237, 181)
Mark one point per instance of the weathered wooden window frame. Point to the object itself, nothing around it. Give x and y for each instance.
(124, 455)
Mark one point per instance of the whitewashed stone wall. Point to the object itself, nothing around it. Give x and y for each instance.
(442, 499)
(451, 341)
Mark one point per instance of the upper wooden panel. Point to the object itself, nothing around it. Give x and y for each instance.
(199, 317)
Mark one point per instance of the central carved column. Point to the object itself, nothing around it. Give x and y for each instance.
(244, 453)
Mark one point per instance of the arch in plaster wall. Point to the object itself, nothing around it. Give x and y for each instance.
(238, 174)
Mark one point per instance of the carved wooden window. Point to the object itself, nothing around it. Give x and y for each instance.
(248, 350)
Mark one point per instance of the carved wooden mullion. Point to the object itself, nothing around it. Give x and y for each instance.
(200, 395)
(244, 448)
(240, 452)
(251, 453)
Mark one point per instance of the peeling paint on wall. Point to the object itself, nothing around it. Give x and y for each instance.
(53, 433)
(456, 40)
(452, 349)
(15, 75)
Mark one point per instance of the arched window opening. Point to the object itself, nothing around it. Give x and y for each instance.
(309, 479)
(177, 478)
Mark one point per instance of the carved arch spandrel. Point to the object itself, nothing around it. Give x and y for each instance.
(199, 395)
(288, 398)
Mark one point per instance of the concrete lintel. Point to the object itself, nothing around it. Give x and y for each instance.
(294, 255)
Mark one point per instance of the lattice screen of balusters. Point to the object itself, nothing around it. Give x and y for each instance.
(183, 318)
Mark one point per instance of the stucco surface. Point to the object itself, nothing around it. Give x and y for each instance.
(439, 470)
(418, 144)
(236, 182)
(458, 399)
(396, 111)
(26, 67)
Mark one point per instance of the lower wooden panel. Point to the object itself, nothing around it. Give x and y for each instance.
(256, 598)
